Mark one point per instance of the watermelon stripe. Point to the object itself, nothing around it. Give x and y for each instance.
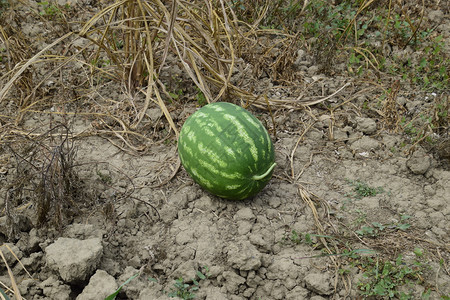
(227, 151)
(243, 134)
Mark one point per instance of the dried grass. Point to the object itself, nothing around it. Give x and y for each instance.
(45, 174)
(137, 37)
(14, 290)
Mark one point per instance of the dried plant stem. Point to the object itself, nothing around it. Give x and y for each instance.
(16, 75)
(11, 276)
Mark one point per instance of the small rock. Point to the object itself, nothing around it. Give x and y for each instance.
(419, 163)
(25, 286)
(214, 293)
(135, 262)
(55, 289)
(33, 262)
(297, 293)
(187, 271)
(443, 148)
(179, 199)
(313, 70)
(155, 291)
(248, 293)
(100, 286)
(319, 283)
(365, 144)
(262, 241)
(244, 227)
(275, 202)
(244, 256)
(301, 57)
(10, 252)
(232, 281)
(413, 106)
(436, 15)
(33, 240)
(74, 259)
(154, 114)
(204, 203)
(366, 125)
(324, 121)
(437, 203)
(215, 271)
(244, 214)
(278, 290)
(370, 202)
(184, 237)
(340, 135)
(168, 213)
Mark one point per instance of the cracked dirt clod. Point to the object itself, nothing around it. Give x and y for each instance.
(319, 283)
(419, 163)
(242, 255)
(100, 286)
(366, 125)
(55, 289)
(232, 281)
(74, 260)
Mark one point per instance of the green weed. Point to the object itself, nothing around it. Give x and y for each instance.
(357, 33)
(49, 10)
(361, 217)
(297, 238)
(200, 97)
(382, 278)
(106, 179)
(375, 228)
(183, 290)
(426, 127)
(4, 5)
(175, 88)
(187, 291)
(432, 72)
(362, 189)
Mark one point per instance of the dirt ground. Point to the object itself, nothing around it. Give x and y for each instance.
(355, 202)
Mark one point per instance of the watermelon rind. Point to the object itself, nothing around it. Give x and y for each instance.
(227, 151)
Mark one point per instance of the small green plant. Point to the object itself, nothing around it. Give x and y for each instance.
(383, 278)
(183, 290)
(49, 9)
(176, 95)
(375, 228)
(297, 238)
(361, 217)
(186, 291)
(362, 189)
(100, 62)
(200, 97)
(371, 230)
(104, 178)
(4, 4)
(175, 88)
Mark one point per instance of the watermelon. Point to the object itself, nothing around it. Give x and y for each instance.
(227, 151)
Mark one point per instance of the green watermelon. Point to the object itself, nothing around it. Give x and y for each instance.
(227, 151)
